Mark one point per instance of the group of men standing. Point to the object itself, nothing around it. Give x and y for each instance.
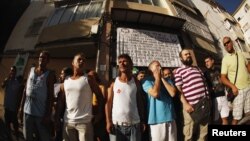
(131, 104)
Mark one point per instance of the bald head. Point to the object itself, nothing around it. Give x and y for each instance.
(228, 44)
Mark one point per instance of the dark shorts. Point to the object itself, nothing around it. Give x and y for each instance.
(10, 117)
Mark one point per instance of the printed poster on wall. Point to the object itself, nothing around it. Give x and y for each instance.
(145, 46)
(20, 63)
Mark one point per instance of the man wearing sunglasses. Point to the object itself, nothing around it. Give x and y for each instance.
(240, 85)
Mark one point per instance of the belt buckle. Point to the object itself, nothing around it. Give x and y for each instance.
(125, 124)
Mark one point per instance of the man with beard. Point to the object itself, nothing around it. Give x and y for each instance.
(239, 82)
(191, 85)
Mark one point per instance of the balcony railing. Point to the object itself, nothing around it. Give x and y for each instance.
(193, 25)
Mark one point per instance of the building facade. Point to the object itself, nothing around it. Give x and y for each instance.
(103, 29)
(242, 15)
(222, 24)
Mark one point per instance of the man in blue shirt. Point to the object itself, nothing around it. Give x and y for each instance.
(161, 116)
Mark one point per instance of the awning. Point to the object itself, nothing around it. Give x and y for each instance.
(198, 41)
(66, 31)
(145, 14)
(69, 48)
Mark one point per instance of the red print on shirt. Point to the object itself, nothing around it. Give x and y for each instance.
(119, 91)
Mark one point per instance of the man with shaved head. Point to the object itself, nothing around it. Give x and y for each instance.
(235, 75)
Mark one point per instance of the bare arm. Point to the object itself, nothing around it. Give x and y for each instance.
(60, 103)
(188, 108)
(170, 88)
(108, 108)
(60, 107)
(23, 97)
(141, 101)
(96, 89)
(50, 94)
(100, 98)
(154, 91)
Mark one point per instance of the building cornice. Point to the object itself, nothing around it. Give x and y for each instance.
(238, 8)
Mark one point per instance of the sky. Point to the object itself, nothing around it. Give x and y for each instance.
(229, 5)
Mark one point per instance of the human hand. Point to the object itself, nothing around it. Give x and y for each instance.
(235, 90)
(143, 127)
(188, 108)
(109, 127)
(157, 72)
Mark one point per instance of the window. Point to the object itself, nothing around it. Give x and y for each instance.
(76, 12)
(227, 24)
(34, 28)
(241, 45)
(246, 8)
(149, 2)
(246, 27)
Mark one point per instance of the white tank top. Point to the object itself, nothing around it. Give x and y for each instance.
(78, 96)
(124, 102)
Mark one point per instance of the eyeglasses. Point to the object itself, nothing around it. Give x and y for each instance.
(226, 43)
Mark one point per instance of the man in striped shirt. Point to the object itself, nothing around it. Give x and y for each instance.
(190, 82)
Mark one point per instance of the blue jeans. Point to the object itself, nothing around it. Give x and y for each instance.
(126, 133)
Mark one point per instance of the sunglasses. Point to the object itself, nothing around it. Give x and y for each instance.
(226, 43)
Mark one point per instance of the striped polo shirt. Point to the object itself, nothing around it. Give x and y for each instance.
(190, 79)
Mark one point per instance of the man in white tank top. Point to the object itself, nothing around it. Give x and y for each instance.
(124, 109)
(37, 101)
(77, 92)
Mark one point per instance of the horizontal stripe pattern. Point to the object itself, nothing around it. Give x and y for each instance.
(191, 82)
